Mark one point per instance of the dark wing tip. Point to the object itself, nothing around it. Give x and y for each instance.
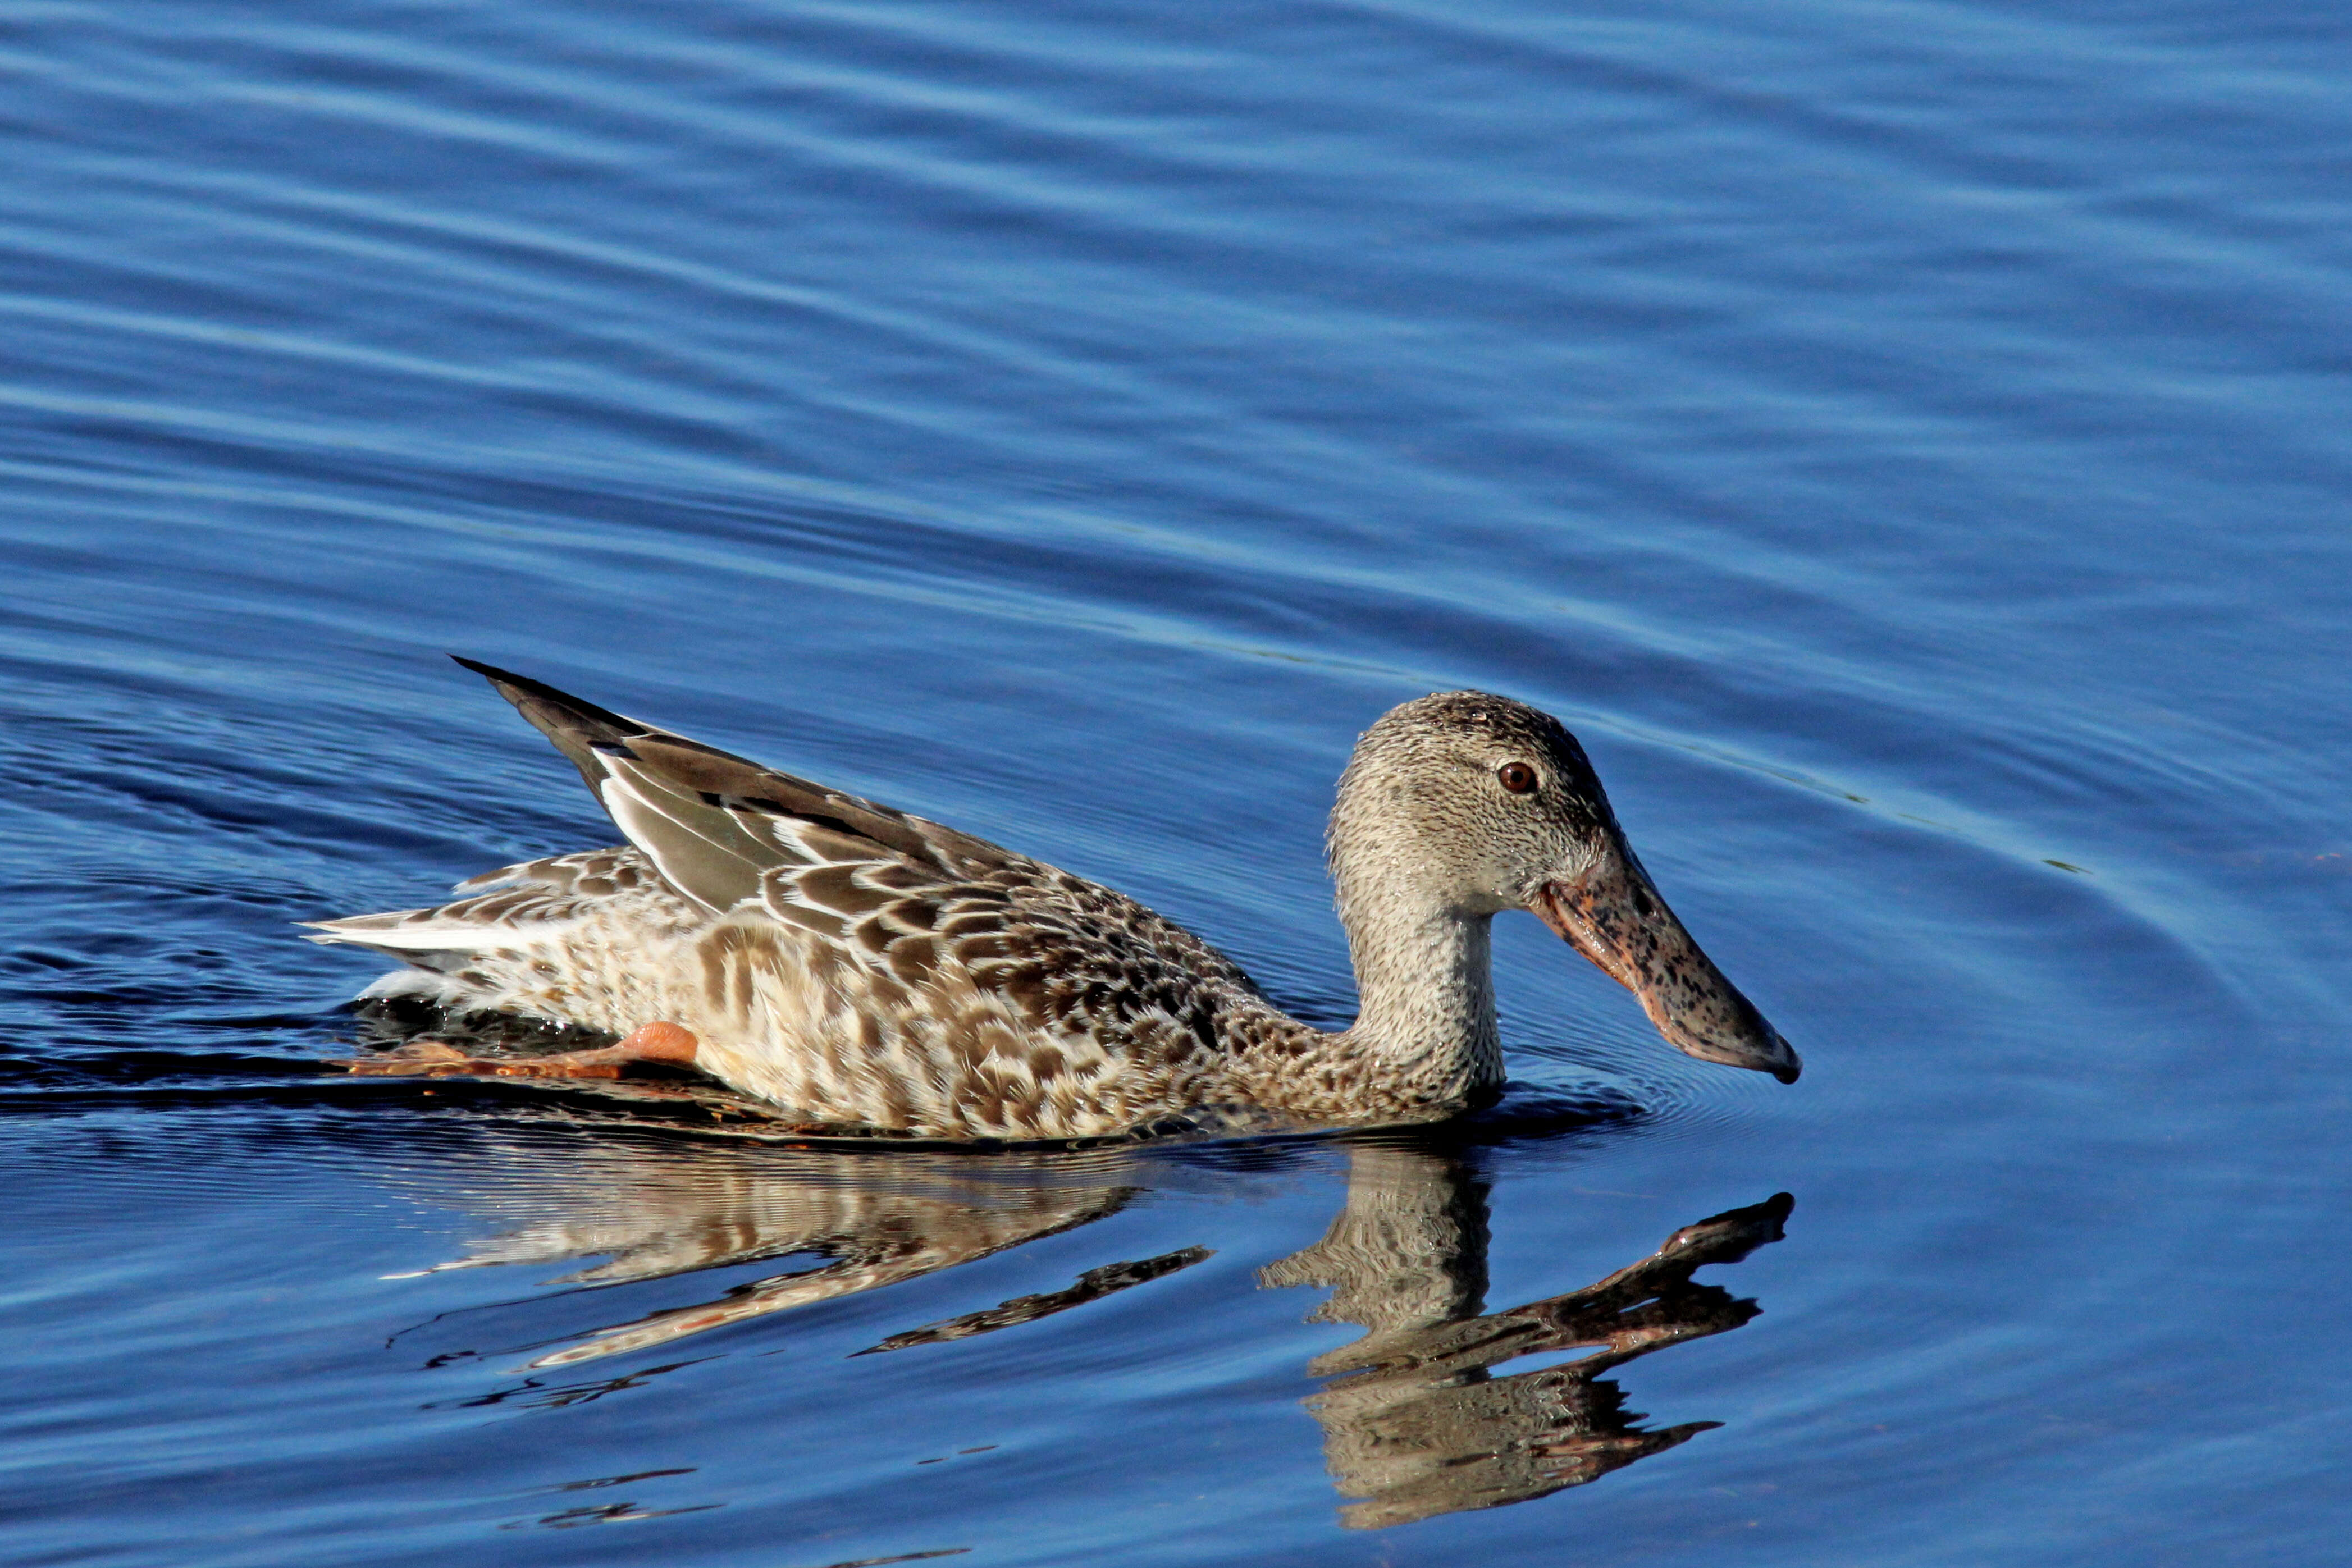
(511, 684)
(480, 668)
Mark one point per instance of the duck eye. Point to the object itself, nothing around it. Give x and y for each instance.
(1516, 776)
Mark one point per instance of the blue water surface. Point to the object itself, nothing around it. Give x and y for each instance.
(1907, 442)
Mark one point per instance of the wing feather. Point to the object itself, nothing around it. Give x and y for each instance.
(909, 900)
(714, 825)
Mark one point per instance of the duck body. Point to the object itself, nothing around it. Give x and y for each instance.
(854, 966)
(1004, 999)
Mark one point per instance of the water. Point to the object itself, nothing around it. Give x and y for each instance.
(1905, 441)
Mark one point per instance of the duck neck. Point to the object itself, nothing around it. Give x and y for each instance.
(1426, 990)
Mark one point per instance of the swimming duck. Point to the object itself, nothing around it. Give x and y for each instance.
(857, 967)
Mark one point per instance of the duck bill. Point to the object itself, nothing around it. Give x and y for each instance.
(1612, 915)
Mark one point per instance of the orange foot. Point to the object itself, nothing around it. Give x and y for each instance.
(657, 1041)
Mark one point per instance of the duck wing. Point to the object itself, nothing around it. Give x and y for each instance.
(914, 906)
(715, 825)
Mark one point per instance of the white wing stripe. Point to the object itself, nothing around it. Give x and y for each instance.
(667, 824)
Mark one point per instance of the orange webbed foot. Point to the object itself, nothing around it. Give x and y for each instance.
(660, 1041)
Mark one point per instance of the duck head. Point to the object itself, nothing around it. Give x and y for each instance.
(1461, 805)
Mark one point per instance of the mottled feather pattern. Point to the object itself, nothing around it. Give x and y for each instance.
(850, 963)
(859, 967)
(1029, 1004)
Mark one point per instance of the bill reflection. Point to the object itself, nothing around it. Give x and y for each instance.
(1415, 1422)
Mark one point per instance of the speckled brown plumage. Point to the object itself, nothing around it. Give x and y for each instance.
(855, 966)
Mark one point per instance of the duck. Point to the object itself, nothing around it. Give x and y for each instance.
(853, 967)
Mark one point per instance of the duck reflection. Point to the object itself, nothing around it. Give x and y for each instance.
(869, 1219)
(1415, 1421)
